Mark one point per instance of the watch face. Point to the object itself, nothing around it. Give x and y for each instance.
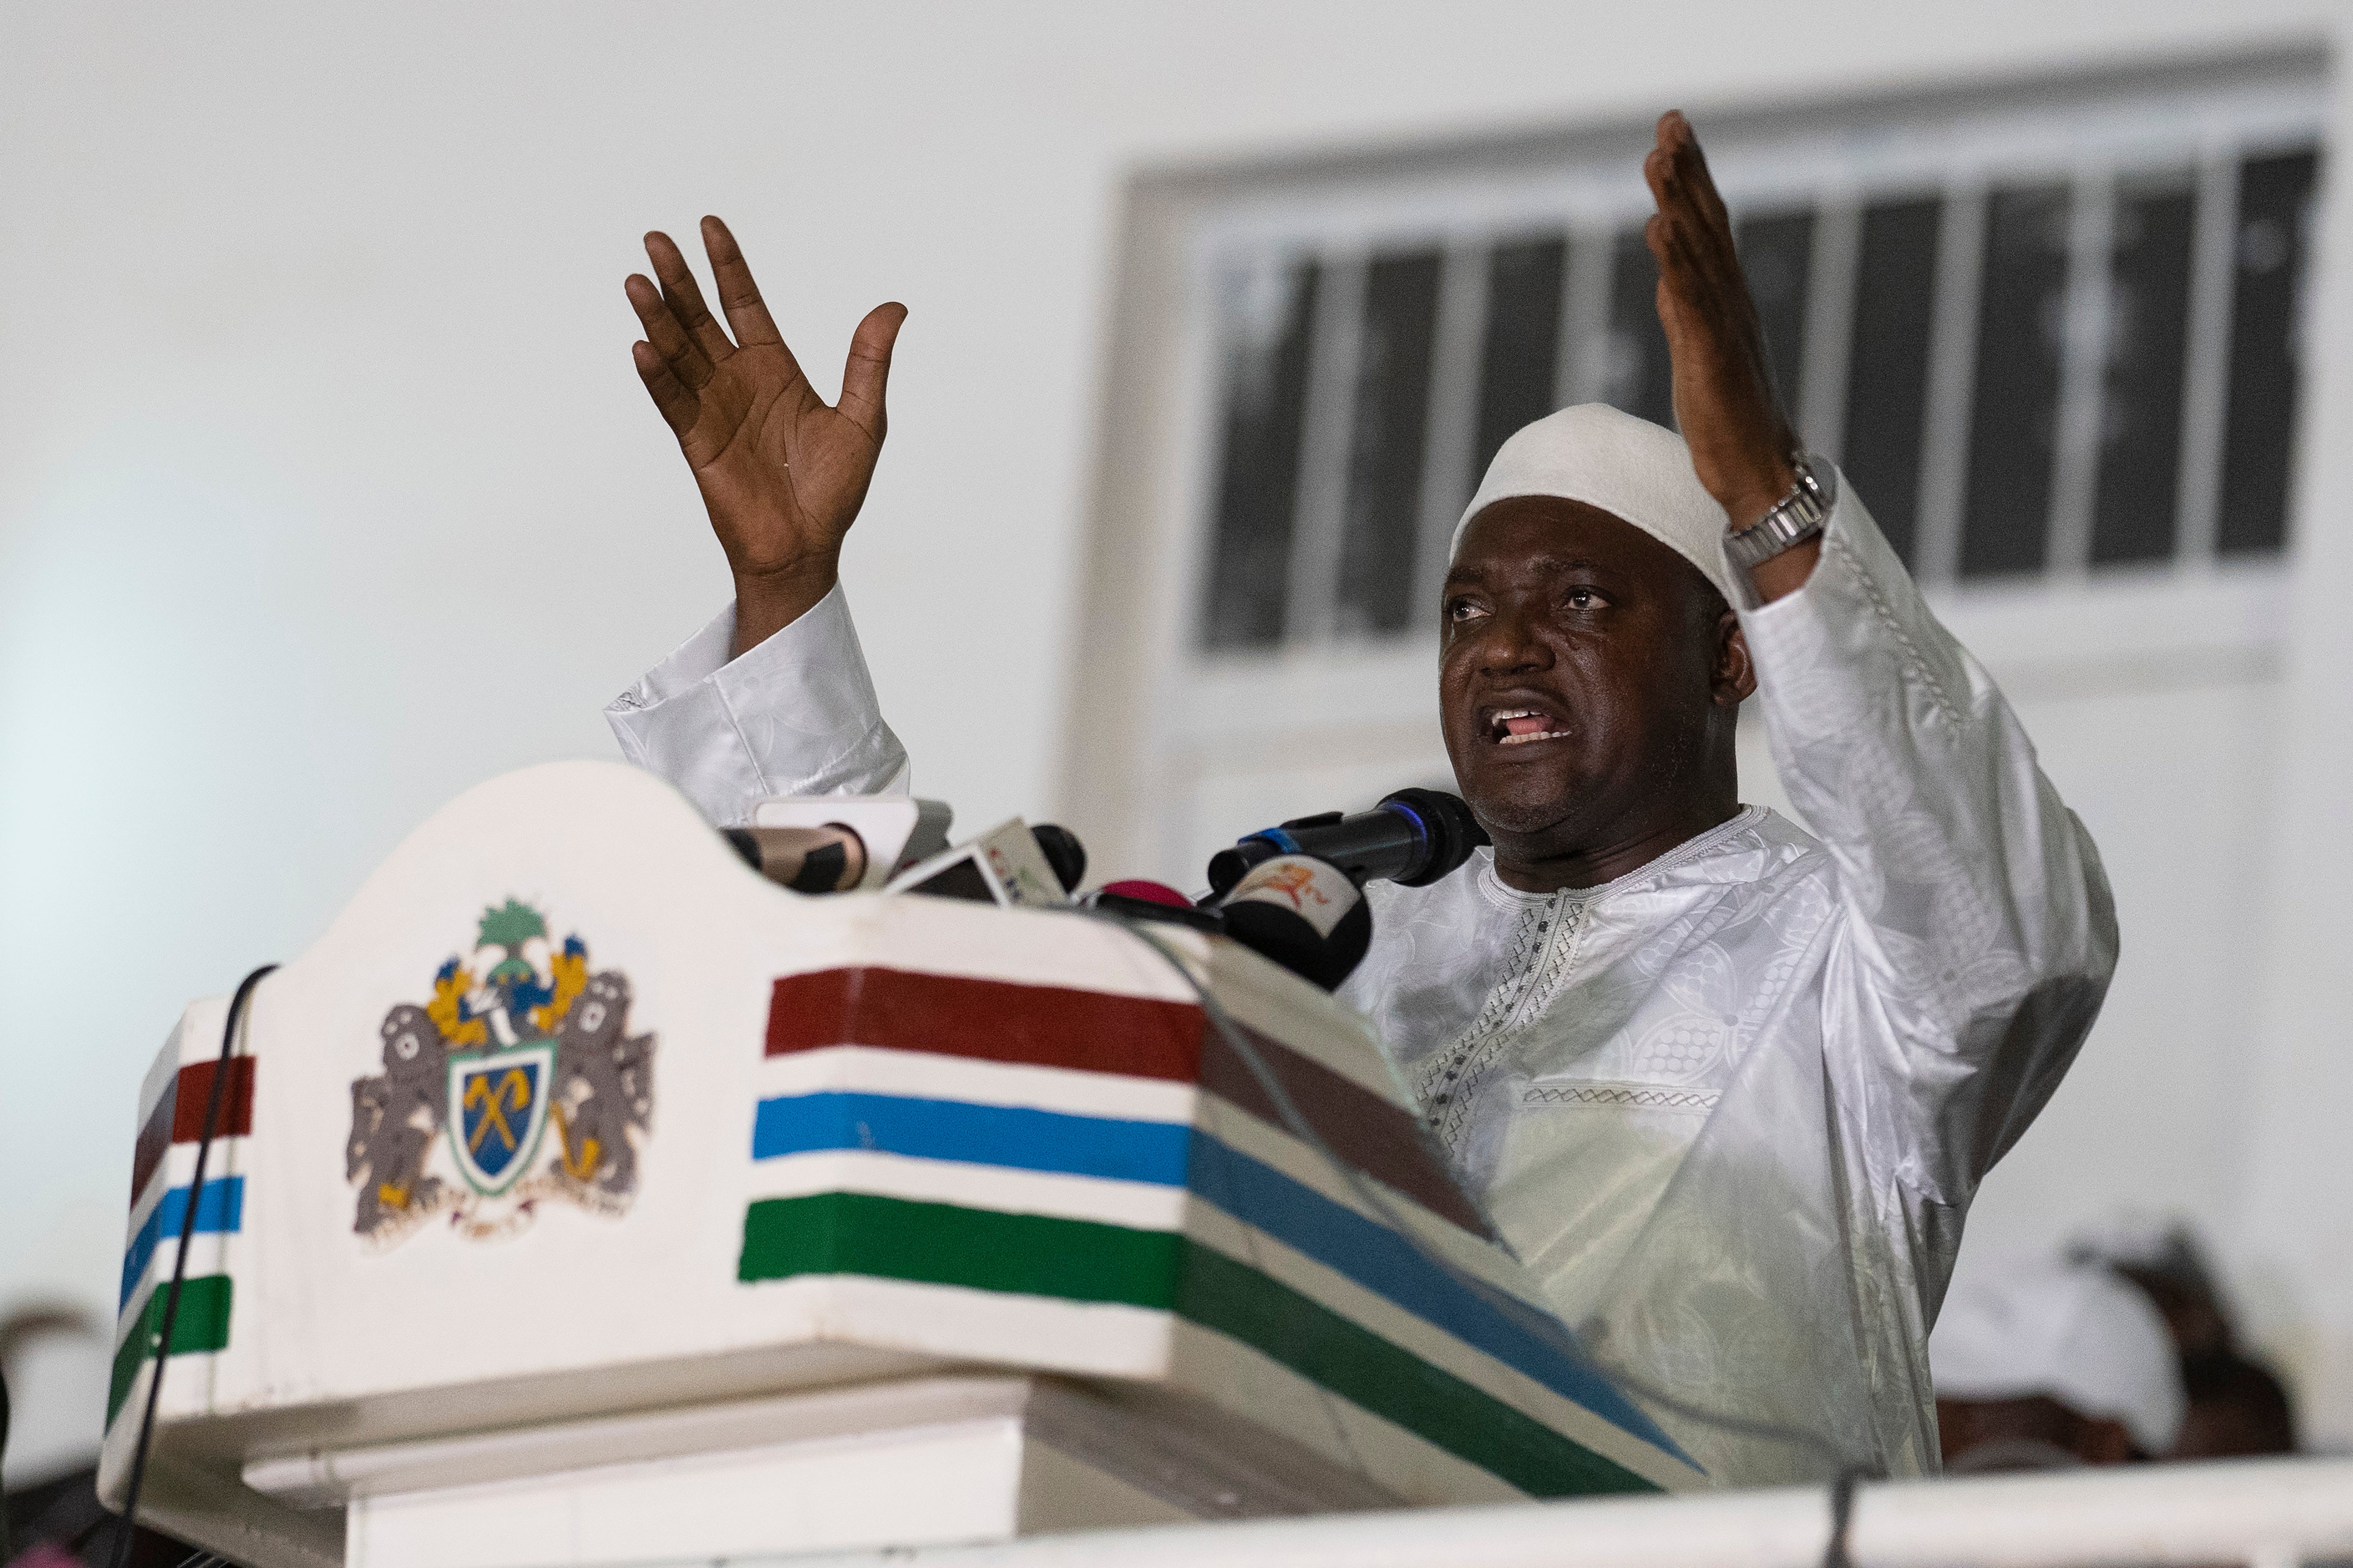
(1819, 479)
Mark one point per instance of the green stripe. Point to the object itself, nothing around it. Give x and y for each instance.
(1392, 1383)
(202, 1325)
(1028, 1254)
(1083, 1260)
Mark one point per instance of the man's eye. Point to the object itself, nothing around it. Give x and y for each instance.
(1584, 599)
(1462, 610)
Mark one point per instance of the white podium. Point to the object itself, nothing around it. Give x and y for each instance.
(581, 1198)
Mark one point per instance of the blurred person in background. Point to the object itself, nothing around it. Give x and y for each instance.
(2051, 1364)
(1727, 1087)
(55, 1363)
(2238, 1408)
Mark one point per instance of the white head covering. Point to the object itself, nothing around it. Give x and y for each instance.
(1628, 468)
(2072, 1333)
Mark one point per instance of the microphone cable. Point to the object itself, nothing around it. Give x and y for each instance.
(129, 1528)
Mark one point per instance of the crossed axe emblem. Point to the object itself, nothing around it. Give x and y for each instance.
(511, 1092)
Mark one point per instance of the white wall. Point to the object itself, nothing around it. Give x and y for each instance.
(326, 488)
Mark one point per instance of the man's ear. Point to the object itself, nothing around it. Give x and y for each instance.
(1735, 677)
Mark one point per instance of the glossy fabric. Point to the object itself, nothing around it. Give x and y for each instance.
(1734, 1106)
(796, 715)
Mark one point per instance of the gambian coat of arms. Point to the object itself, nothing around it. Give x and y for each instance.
(517, 1084)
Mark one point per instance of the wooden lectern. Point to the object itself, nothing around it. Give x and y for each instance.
(582, 1198)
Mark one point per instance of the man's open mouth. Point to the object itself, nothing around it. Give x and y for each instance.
(1522, 726)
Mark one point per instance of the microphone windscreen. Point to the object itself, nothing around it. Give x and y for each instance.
(1064, 852)
(1149, 892)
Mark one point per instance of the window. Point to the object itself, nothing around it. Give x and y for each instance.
(2045, 339)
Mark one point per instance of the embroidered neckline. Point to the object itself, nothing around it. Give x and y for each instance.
(1547, 938)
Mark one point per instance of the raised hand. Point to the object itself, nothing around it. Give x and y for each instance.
(1740, 439)
(782, 473)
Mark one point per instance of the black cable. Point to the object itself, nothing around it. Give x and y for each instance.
(129, 1527)
(1306, 1132)
(1842, 1490)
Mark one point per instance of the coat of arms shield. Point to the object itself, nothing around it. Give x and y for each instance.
(502, 1101)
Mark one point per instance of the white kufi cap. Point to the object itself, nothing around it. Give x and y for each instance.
(1628, 468)
(2076, 1333)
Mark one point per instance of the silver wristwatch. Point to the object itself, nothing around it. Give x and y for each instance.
(1794, 519)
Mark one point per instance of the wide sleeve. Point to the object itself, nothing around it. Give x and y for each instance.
(796, 715)
(1977, 934)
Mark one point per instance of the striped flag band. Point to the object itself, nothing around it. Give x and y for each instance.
(1169, 1184)
(159, 1212)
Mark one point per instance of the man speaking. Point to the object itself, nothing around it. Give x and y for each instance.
(1727, 1087)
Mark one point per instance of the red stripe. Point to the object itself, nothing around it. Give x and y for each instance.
(1360, 1127)
(195, 1093)
(993, 1020)
(179, 1116)
(153, 1139)
(1090, 1031)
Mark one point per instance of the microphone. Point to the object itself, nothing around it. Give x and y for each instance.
(1306, 914)
(1414, 838)
(830, 859)
(1064, 852)
(1298, 912)
(1011, 864)
(1140, 899)
(1139, 889)
(898, 830)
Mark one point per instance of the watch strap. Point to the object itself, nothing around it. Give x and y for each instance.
(1796, 517)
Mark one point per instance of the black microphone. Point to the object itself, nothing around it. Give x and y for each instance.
(1064, 852)
(1306, 914)
(1414, 836)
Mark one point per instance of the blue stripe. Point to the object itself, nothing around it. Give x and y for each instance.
(1004, 1135)
(1519, 1335)
(222, 1209)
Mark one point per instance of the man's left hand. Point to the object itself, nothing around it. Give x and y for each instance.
(1741, 441)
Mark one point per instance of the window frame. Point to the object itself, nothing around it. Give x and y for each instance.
(1153, 712)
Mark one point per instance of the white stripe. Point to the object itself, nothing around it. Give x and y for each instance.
(920, 1075)
(1829, 324)
(2206, 378)
(1095, 1338)
(1142, 1206)
(1952, 382)
(2082, 371)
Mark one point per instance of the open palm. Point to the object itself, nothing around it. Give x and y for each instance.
(1731, 418)
(782, 473)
